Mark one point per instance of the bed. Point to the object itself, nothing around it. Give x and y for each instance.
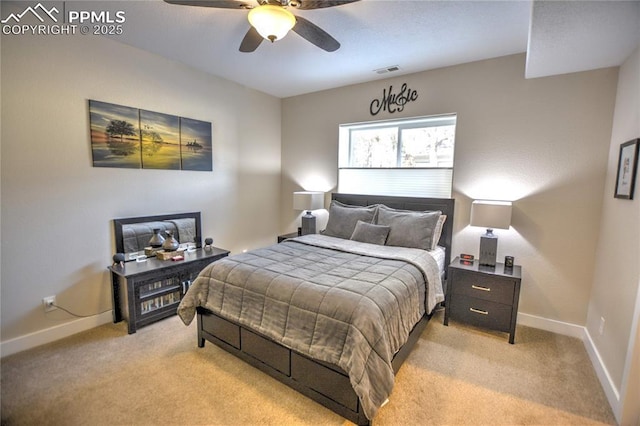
(332, 315)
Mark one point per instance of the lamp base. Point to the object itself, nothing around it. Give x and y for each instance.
(488, 248)
(308, 223)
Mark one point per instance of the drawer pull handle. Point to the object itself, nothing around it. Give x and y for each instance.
(479, 287)
(479, 311)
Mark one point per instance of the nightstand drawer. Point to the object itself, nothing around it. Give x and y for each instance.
(486, 287)
(482, 313)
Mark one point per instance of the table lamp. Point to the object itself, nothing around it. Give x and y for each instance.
(308, 200)
(490, 215)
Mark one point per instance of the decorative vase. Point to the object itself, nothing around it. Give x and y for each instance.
(207, 243)
(118, 259)
(170, 243)
(157, 239)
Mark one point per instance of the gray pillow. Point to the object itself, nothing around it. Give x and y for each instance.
(438, 231)
(370, 233)
(343, 218)
(409, 228)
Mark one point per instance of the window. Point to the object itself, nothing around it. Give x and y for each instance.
(411, 157)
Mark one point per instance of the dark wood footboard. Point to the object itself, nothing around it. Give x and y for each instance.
(322, 382)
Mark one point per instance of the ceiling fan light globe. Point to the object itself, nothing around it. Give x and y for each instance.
(271, 22)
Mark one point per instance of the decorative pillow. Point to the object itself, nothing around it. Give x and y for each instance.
(409, 228)
(438, 231)
(343, 218)
(370, 233)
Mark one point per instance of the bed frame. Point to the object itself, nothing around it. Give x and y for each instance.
(325, 383)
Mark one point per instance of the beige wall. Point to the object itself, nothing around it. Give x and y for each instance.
(542, 143)
(57, 209)
(617, 274)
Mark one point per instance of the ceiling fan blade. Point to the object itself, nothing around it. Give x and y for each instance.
(251, 41)
(316, 35)
(220, 4)
(318, 4)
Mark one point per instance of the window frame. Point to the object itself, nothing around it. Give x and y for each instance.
(345, 149)
(401, 124)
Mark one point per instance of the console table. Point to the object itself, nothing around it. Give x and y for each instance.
(145, 292)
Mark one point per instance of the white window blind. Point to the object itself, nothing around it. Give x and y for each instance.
(409, 157)
(434, 183)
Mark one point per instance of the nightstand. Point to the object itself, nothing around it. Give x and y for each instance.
(283, 237)
(483, 296)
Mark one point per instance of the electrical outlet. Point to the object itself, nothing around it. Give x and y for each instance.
(48, 303)
(601, 329)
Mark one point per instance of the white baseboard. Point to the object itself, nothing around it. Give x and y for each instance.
(581, 332)
(558, 327)
(610, 390)
(52, 334)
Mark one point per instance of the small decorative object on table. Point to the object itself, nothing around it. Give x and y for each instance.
(170, 243)
(467, 259)
(508, 261)
(208, 242)
(118, 259)
(166, 255)
(151, 251)
(157, 239)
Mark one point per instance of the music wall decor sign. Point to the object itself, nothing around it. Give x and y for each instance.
(393, 102)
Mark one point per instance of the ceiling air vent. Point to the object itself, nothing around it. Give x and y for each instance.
(385, 70)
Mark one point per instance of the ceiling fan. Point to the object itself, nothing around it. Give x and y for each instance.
(271, 20)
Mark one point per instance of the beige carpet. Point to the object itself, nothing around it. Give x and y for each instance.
(455, 375)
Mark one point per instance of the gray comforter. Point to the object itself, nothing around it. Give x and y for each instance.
(347, 303)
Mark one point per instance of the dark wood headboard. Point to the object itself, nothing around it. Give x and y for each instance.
(445, 205)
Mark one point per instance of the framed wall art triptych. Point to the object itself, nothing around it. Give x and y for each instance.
(128, 137)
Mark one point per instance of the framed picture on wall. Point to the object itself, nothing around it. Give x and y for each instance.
(160, 140)
(627, 169)
(129, 137)
(195, 144)
(115, 135)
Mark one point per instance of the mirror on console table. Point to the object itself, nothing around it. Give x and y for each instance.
(133, 234)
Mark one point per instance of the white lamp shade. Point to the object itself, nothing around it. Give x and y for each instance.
(491, 214)
(308, 200)
(271, 22)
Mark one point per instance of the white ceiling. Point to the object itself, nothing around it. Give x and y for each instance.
(570, 36)
(558, 36)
